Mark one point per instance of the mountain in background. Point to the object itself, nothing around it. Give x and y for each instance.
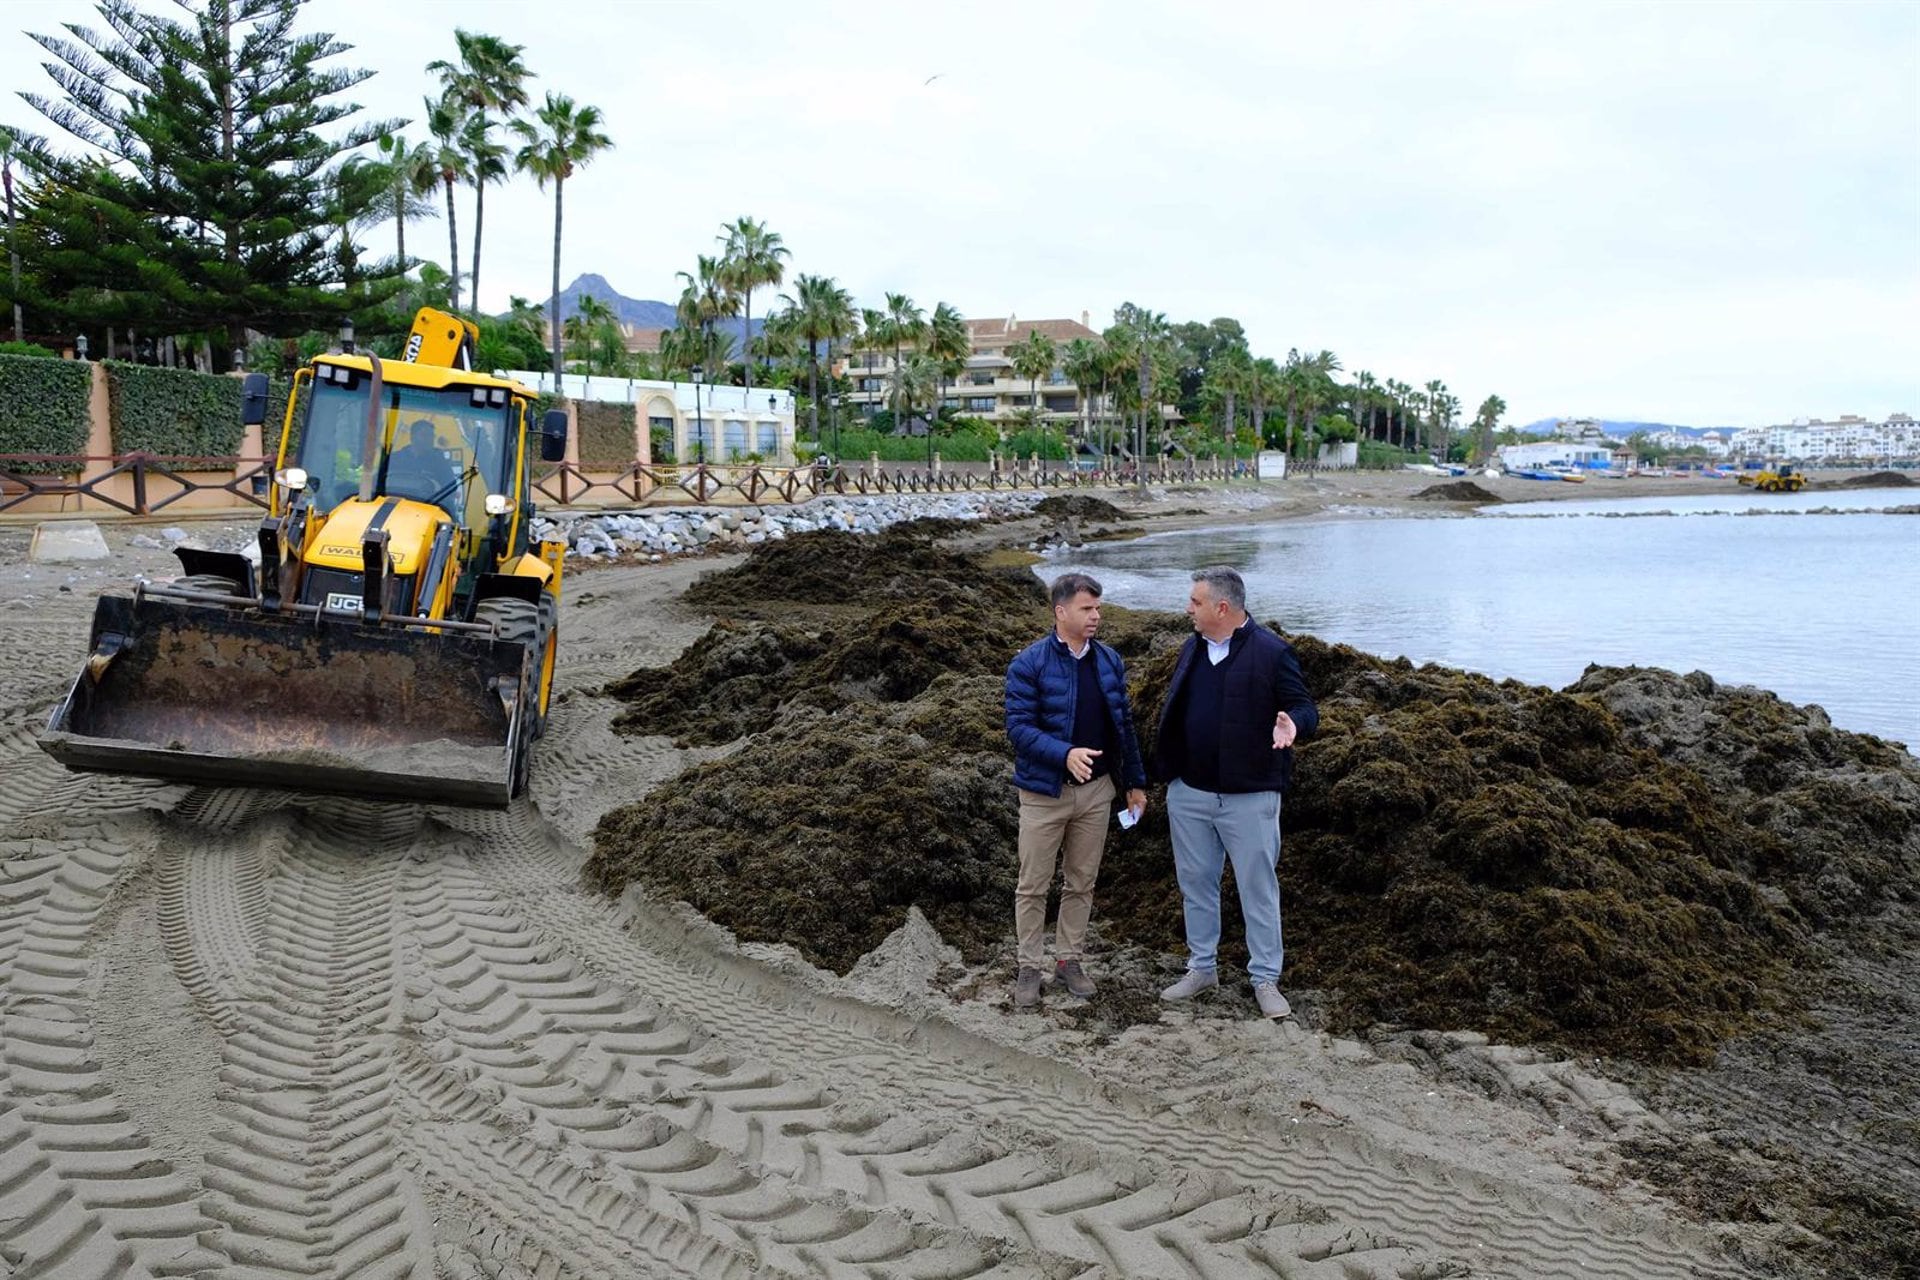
(640, 313)
(1617, 430)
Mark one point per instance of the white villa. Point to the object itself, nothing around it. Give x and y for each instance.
(717, 424)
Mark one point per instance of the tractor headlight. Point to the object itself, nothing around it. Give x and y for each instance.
(497, 504)
(292, 479)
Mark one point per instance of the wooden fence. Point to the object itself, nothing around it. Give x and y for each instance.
(145, 484)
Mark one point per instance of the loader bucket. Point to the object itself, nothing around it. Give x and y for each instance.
(233, 694)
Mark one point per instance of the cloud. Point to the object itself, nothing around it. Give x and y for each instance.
(1688, 212)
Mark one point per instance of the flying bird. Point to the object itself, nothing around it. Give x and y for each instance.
(930, 79)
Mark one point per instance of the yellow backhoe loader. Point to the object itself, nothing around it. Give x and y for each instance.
(397, 636)
(1783, 480)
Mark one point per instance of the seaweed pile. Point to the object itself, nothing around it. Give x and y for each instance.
(1078, 506)
(1457, 491)
(1629, 867)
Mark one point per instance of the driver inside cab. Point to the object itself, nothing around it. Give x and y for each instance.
(420, 467)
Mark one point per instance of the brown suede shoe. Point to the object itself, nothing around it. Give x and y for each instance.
(1026, 988)
(1075, 978)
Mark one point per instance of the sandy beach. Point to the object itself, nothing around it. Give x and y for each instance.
(261, 1033)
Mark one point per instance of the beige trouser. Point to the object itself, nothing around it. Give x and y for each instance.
(1073, 827)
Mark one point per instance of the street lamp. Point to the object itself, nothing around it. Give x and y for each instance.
(699, 423)
(346, 336)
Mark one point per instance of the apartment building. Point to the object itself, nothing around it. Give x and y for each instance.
(1849, 438)
(988, 387)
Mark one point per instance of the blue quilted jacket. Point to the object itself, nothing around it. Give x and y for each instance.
(1042, 686)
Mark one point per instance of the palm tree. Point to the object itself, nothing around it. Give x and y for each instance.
(1033, 360)
(589, 325)
(1397, 394)
(1365, 390)
(488, 78)
(753, 256)
(901, 325)
(1436, 408)
(1320, 388)
(523, 314)
(562, 138)
(1228, 375)
(949, 344)
(916, 383)
(410, 173)
(1265, 386)
(1082, 363)
(822, 311)
(704, 301)
(1486, 422)
(446, 120)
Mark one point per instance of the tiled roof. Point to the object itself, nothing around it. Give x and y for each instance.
(1005, 331)
(647, 340)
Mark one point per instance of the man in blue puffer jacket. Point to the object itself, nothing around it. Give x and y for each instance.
(1072, 733)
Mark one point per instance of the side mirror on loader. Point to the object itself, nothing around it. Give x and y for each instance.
(253, 400)
(553, 436)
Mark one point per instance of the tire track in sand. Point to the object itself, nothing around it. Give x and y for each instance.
(511, 1080)
(1447, 1212)
(82, 1194)
(302, 1174)
(774, 1160)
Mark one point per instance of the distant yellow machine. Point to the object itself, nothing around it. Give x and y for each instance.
(396, 635)
(1783, 480)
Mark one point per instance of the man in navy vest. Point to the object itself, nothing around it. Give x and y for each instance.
(1236, 705)
(1072, 734)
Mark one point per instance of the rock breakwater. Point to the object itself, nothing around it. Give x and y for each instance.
(673, 531)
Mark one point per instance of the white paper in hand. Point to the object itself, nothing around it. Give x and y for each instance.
(1127, 818)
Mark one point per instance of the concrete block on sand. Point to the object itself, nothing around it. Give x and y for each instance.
(61, 540)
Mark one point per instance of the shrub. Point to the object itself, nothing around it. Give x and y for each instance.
(173, 412)
(43, 408)
(27, 349)
(606, 434)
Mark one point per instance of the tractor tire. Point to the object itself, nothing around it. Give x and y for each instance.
(519, 621)
(210, 583)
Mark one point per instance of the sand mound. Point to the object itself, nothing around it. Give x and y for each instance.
(1629, 867)
(1456, 491)
(1876, 480)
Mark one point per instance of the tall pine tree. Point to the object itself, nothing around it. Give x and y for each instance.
(217, 134)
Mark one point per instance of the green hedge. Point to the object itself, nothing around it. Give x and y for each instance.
(606, 434)
(173, 412)
(43, 408)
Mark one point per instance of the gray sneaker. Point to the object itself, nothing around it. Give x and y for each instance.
(1075, 978)
(1272, 1003)
(1026, 988)
(1196, 981)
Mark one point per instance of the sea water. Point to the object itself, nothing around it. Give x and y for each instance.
(1818, 608)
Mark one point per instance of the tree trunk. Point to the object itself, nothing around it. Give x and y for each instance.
(479, 212)
(13, 251)
(813, 389)
(554, 302)
(746, 346)
(400, 234)
(453, 246)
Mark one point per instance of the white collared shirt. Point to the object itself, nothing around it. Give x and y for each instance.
(1079, 653)
(1217, 649)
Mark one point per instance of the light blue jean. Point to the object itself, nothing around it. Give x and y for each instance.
(1208, 828)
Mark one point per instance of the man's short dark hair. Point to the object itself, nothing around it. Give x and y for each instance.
(1224, 584)
(1068, 585)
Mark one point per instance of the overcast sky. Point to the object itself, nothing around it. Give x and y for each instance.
(1696, 213)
